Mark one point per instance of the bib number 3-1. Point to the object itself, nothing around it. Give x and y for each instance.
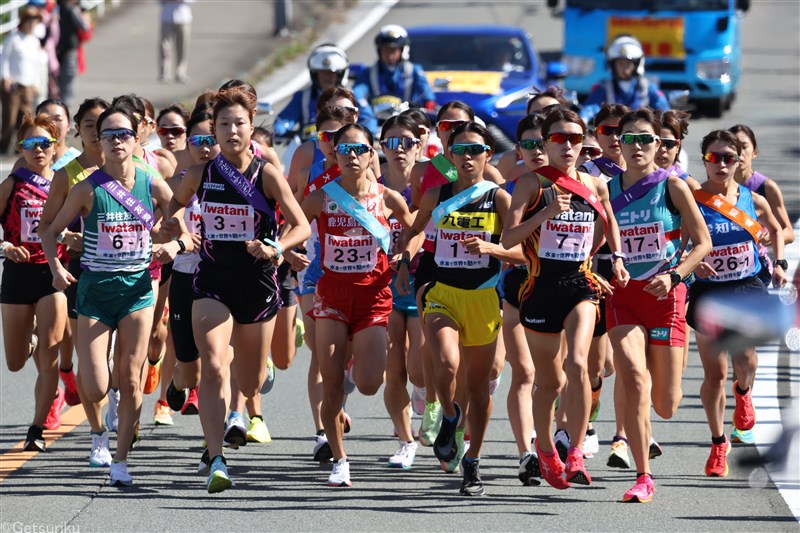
(224, 222)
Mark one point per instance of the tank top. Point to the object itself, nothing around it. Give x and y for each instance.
(454, 265)
(432, 178)
(395, 227)
(75, 173)
(187, 263)
(113, 238)
(734, 254)
(228, 220)
(650, 232)
(757, 183)
(348, 251)
(21, 220)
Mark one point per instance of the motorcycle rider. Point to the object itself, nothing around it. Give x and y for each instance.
(627, 84)
(393, 75)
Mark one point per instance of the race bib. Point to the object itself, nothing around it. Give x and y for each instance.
(451, 253)
(350, 255)
(226, 222)
(29, 223)
(128, 239)
(643, 243)
(732, 261)
(395, 227)
(566, 241)
(192, 217)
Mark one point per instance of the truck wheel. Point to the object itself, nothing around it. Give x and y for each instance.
(715, 108)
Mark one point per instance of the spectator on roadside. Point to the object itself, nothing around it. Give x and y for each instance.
(75, 26)
(49, 33)
(20, 72)
(176, 21)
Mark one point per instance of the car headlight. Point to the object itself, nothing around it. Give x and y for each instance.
(578, 65)
(716, 69)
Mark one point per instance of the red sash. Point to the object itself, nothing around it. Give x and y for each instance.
(575, 187)
(322, 180)
(731, 212)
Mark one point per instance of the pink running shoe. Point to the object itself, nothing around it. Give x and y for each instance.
(642, 491)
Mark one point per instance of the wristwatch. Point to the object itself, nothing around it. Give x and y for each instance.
(3, 248)
(181, 246)
(675, 278)
(783, 263)
(619, 255)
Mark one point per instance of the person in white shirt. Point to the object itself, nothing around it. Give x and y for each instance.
(176, 21)
(20, 73)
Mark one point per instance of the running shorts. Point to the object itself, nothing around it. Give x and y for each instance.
(249, 292)
(552, 299)
(308, 277)
(476, 312)
(510, 283)
(25, 283)
(359, 306)
(287, 284)
(405, 304)
(111, 296)
(663, 318)
(181, 298)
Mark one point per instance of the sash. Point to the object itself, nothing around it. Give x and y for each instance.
(755, 181)
(461, 199)
(147, 167)
(445, 167)
(125, 198)
(322, 180)
(40, 184)
(607, 166)
(367, 220)
(575, 187)
(731, 212)
(232, 175)
(638, 189)
(68, 156)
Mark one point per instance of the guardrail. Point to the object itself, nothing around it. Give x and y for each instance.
(9, 12)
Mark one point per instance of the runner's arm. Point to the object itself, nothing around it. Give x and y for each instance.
(276, 187)
(515, 231)
(768, 220)
(78, 203)
(775, 200)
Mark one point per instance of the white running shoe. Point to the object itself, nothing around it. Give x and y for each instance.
(111, 415)
(404, 456)
(591, 445)
(494, 384)
(235, 431)
(322, 450)
(340, 475)
(418, 400)
(100, 454)
(218, 479)
(120, 475)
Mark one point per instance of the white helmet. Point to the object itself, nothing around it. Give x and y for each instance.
(328, 57)
(626, 47)
(394, 35)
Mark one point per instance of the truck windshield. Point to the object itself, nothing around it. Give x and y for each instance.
(470, 52)
(651, 5)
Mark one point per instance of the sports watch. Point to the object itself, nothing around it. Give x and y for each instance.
(783, 263)
(675, 278)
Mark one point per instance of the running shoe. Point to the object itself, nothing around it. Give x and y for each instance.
(494, 384)
(595, 409)
(744, 414)
(270, 381)
(153, 376)
(349, 382)
(53, 420)
(340, 475)
(100, 454)
(744, 436)
(404, 456)
(192, 405)
(34, 441)
(655, 449)
(461, 448)
(119, 474)
(591, 444)
(218, 479)
(299, 332)
(235, 431)
(575, 469)
(418, 400)
(70, 386)
(176, 398)
(111, 414)
(618, 457)
(348, 422)
(471, 484)
(444, 447)
(717, 464)
(552, 468)
(529, 470)
(322, 450)
(642, 491)
(257, 431)
(431, 422)
(561, 439)
(205, 463)
(162, 415)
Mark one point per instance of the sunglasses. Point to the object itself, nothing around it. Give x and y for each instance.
(175, 131)
(471, 149)
(591, 152)
(447, 125)
(345, 109)
(669, 144)
(562, 138)
(31, 143)
(639, 138)
(607, 130)
(149, 121)
(123, 134)
(392, 143)
(200, 140)
(717, 158)
(531, 144)
(326, 136)
(358, 148)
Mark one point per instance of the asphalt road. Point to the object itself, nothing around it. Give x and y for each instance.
(280, 488)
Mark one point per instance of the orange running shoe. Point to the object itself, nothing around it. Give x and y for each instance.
(717, 464)
(153, 377)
